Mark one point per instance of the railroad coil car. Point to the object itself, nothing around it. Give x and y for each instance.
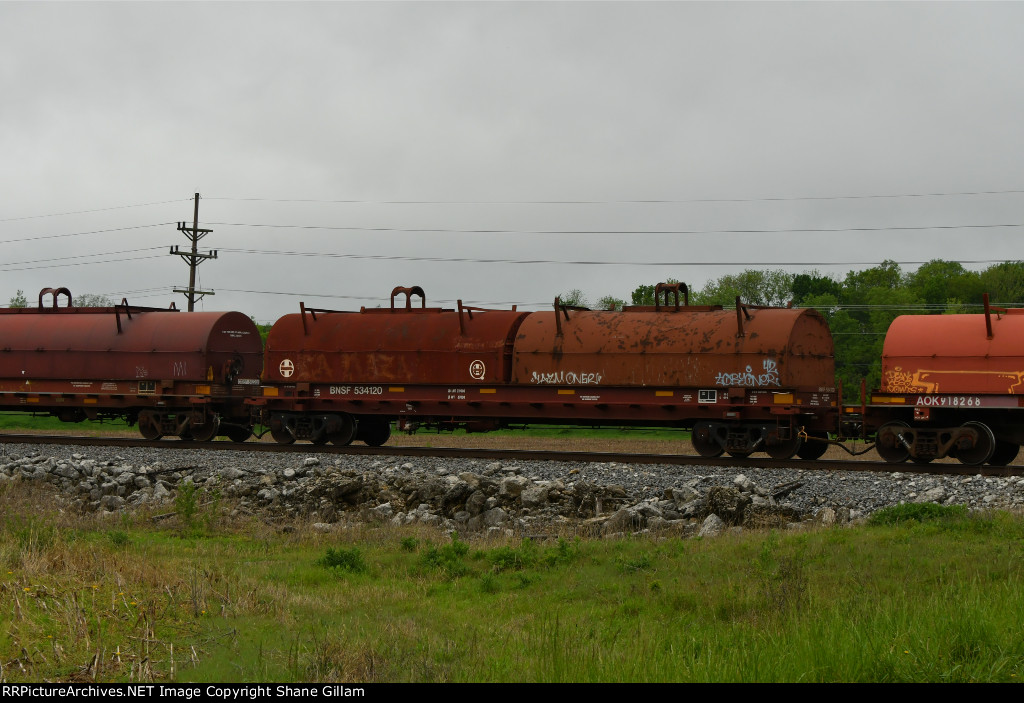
(745, 380)
(952, 385)
(174, 373)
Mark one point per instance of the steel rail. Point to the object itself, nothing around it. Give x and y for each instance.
(952, 469)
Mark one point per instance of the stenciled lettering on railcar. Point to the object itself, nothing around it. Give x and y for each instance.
(768, 377)
(477, 370)
(949, 401)
(356, 390)
(567, 378)
(180, 368)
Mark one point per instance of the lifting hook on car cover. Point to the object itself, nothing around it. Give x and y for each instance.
(673, 288)
(56, 293)
(409, 293)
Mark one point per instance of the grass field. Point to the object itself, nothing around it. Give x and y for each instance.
(931, 594)
(23, 422)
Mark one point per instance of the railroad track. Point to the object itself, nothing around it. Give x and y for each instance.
(955, 469)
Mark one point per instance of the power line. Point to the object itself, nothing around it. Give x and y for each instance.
(80, 234)
(642, 201)
(440, 259)
(85, 212)
(623, 202)
(80, 256)
(441, 230)
(80, 263)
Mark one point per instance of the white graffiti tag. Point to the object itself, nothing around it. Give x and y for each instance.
(770, 377)
(566, 378)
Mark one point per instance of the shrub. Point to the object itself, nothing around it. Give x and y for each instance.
(489, 583)
(119, 538)
(564, 552)
(448, 558)
(350, 560)
(186, 503)
(916, 512)
(641, 562)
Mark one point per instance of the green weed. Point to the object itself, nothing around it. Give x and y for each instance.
(916, 512)
(449, 559)
(347, 560)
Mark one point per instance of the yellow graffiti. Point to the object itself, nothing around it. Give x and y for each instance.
(929, 380)
(896, 381)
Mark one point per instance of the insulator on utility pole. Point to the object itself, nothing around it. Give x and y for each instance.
(193, 258)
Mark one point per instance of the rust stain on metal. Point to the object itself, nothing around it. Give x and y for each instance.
(126, 343)
(698, 348)
(396, 345)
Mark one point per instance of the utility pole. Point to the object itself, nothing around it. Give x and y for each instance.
(193, 258)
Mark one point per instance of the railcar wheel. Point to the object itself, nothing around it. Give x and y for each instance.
(704, 442)
(205, 432)
(346, 432)
(282, 436)
(983, 448)
(237, 433)
(373, 432)
(889, 442)
(783, 448)
(1005, 453)
(149, 425)
(813, 450)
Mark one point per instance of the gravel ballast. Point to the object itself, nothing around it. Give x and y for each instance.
(481, 496)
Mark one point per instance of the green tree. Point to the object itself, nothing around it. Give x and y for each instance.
(753, 286)
(1004, 282)
(574, 298)
(857, 284)
(18, 300)
(610, 302)
(938, 281)
(93, 300)
(811, 284)
(643, 295)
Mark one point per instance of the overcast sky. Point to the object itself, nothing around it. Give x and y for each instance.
(459, 131)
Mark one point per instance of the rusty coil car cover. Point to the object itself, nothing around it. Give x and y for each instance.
(779, 348)
(952, 354)
(84, 344)
(422, 345)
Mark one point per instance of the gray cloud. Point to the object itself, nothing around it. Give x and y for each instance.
(122, 103)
